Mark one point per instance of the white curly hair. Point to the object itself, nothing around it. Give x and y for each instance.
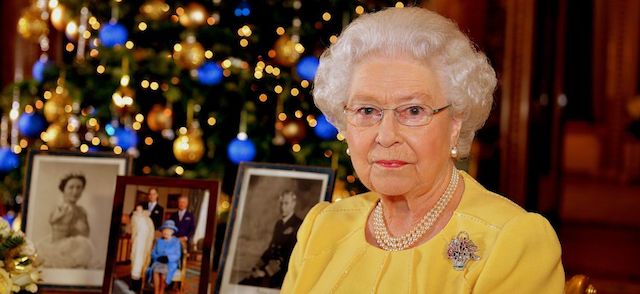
(465, 75)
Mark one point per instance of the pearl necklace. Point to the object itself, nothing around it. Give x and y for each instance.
(390, 243)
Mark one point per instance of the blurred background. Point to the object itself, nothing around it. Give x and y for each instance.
(191, 88)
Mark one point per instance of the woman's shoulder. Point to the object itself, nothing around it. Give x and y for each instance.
(484, 206)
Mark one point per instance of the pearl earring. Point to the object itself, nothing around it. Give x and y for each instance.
(454, 152)
(348, 151)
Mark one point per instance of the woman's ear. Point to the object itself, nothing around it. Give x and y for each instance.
(456, 125)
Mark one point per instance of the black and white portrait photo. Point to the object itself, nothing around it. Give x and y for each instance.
(68, 212)
(269, 206)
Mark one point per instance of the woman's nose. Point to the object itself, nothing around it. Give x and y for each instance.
(388, 129)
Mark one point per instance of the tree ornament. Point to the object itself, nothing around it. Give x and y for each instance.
(194, 15)
(57, 136)
(60, 17)
(125, 137)
(243, 9)
(286, 54)
(241, 149)
(189, 147)
(307, 67)
(113, 34)
(55, 109)
(39, 67)
(324, 129)
(155, 9)
(294, 130)
(210, 74)
(31, 26)
(123, 97)
(189, 54)
(159, 118)
(31, 124)
(8, 160)
(71, 30)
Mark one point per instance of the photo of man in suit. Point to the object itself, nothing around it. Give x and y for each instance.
(184, 220)
(156, 212)
(272, 266)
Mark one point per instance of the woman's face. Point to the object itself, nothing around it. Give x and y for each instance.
(391, 158)
(167, 233)
(73, 190)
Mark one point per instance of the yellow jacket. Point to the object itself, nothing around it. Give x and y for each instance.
(519, 251)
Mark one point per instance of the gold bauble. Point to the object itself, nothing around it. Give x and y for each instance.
(72, 31)
(60, 17)
(55, 109)
(189, 147)
(286, 54)
(57, 136)
(294, 130)
(31, 26)
(190, 55)
(123, 97)
(155, 9)
(194, 15)
(159, 118)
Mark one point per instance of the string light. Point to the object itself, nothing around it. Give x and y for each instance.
(84, 148)
(142, 26)
(295, 92)
(326, 16)
(263, 97)
(148, 140)
(179, 170)
(298, 113)
(117, 150)
(211, 121)
(144, 84)
(359, 9)
(154, 86)
(282, 116)
(280, 31)
(304, 83)
(399, 4)
(208, 54)
(100, 69)
(277, 89)
(296, 147)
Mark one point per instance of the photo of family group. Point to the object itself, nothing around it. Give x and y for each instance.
(161, 240)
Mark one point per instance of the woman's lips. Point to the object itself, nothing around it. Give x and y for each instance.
(390, 163)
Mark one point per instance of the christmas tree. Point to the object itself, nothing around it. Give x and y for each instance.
(187, 88)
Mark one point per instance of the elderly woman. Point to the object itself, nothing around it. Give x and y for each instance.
(409, 90)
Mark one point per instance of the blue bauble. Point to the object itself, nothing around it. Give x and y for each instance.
(8, 160)
(38, 69)
(241, 150)
(210, 74)
(307, 67)
(324, 129)
(113, 34)
(126, 137)
(31, 124)
(243, 9)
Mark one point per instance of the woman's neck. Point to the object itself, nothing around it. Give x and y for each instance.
(403, 212)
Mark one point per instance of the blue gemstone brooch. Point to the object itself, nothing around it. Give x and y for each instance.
(461, 250)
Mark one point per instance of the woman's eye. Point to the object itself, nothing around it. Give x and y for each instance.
(366, 111)
(414, 110)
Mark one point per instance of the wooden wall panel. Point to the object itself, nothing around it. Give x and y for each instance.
(515, 99)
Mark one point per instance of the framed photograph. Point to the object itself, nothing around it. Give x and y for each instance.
(67, 212)
(154, 244)
(269, 203)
